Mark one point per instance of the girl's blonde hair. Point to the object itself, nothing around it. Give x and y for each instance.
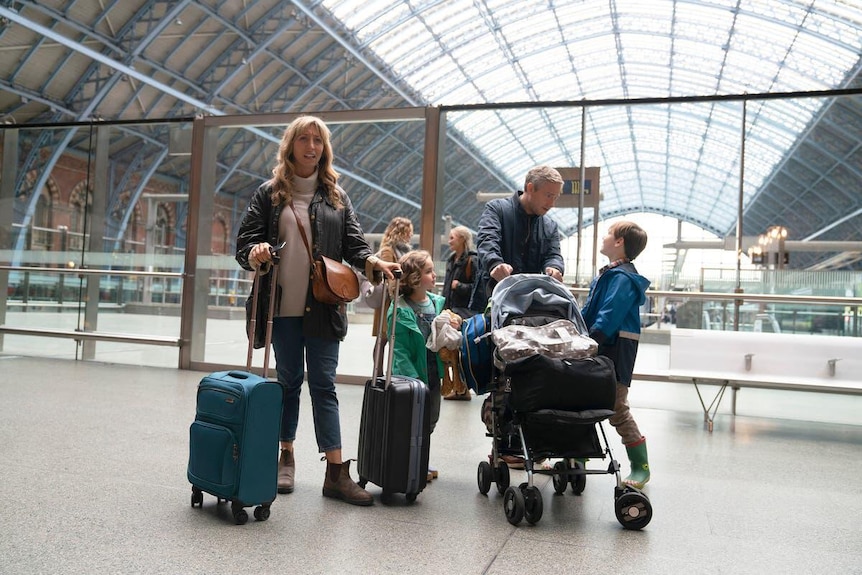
(412, 263)
(285, 169)
(464, 233)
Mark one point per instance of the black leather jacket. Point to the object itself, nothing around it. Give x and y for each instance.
(335, 233)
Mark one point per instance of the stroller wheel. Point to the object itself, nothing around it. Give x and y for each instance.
(484, 477)
(532, 504)
(633, 509)
(513, 505)
(502, 477)
(560, 479)
(579, 482)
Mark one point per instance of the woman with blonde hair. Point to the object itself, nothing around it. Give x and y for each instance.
(457, 288)
(460, 271)
(396, 242)
(302, 203)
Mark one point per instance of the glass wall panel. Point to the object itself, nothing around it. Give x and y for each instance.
(103, 238)
(688, 161)
(93, 244)
(380, 163)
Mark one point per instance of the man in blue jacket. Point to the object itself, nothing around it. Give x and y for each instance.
(517, 236)
(612, 314)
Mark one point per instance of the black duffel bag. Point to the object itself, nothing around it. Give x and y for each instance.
(540, 382)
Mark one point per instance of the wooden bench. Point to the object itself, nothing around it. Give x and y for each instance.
(820, 363)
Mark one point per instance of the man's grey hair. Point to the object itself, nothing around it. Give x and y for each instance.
(542, 174)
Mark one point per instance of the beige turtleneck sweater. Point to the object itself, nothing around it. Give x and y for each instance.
(295, 269)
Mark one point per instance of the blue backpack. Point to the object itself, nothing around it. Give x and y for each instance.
(477, 353)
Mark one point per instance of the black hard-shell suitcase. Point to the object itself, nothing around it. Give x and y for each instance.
(233, 441)
(395, 430)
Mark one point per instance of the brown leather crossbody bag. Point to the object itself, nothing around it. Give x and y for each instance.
(332, 282)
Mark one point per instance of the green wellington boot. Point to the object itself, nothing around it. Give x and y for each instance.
(640, 465)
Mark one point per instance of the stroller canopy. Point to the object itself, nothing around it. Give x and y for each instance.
(515, 295)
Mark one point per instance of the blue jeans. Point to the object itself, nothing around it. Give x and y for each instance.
(290, 345)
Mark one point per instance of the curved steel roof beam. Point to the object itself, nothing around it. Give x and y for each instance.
(355, 53)
(258, 47)
(139, 190)
(368, 64)
(60, 149)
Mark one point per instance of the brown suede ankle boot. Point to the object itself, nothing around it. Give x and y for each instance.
(286, 470)
(339, 485)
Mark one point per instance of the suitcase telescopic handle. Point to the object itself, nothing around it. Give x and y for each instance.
(381, 323)
(390, 358)
(271, 267)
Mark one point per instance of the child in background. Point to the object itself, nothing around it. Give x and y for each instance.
(612, 314)
(395, 243)
(414, 312)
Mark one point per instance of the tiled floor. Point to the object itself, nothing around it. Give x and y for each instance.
(94, 481)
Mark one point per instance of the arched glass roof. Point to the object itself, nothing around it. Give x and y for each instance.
(76, 60)
(681, 160)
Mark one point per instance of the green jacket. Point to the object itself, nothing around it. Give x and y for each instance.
(409, 350)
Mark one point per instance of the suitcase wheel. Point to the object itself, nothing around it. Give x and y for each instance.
(261, 512)
(240, 516)
(362, 482)
(197, 497)
(411, 497)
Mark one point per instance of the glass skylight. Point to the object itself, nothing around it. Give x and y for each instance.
(681, 160)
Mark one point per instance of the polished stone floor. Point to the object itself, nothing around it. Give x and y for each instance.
(94, 481)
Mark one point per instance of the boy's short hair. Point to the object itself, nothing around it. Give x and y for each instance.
(634, 237)
(411, 271)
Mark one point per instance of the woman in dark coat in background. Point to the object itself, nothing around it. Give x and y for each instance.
(457, 288)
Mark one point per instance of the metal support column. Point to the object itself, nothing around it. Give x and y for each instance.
(7, 203)
(198, 244)
(95, 242)
(432, 182)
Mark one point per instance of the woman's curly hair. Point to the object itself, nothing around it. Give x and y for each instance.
(285, 169)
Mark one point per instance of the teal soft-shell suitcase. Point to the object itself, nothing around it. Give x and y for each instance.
(233, 441)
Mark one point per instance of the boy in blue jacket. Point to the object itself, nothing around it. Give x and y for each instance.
(612, 314)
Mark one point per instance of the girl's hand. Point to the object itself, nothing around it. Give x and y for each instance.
(455, 320)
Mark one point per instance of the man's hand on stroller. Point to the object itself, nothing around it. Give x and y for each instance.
(501, 272)
(554, 273)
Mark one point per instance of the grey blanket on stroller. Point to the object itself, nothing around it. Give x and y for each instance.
(515, 295)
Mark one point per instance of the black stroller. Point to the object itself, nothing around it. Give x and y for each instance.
(548, 397)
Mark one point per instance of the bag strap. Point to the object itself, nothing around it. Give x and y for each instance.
(301, 232)
(468, 269)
